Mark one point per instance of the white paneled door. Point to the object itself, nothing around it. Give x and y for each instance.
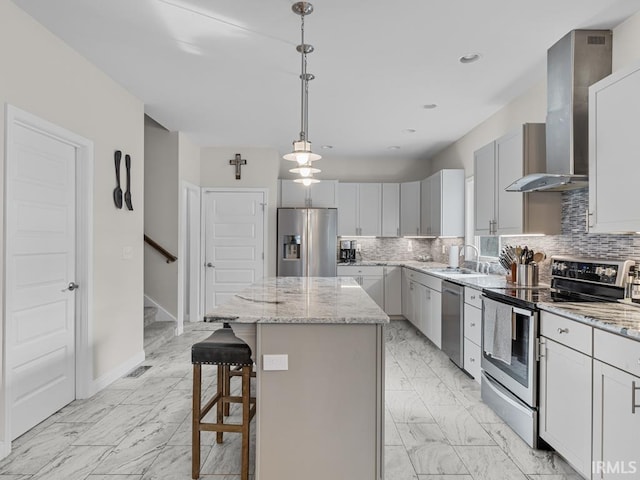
(234, 243)
(40, 276)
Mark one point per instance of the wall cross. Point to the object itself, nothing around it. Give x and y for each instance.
(238, 162)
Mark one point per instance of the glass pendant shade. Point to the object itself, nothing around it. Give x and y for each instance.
(305, 170)
(306, 181)
(302, 153)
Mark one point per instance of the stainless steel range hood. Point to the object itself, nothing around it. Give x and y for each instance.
(579, 59)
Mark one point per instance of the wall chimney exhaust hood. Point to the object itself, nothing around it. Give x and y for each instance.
(576, 61)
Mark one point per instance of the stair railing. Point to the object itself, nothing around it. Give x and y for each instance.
(164, 252)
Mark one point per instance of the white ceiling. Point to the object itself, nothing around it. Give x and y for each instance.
(225, 72)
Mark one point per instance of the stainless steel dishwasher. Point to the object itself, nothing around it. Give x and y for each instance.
(453, 321)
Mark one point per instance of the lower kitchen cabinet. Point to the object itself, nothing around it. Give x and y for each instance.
(393, 290)
(616, 407)
(472, 354)
(472, 332)
(370, 278)
(565, 403)
(566, 388)
(616, 423)
(421, 303)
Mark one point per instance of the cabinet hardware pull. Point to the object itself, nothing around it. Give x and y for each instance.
(563, 330)
(471, 359)
(473, 297)
(633, 397)
(471, 325)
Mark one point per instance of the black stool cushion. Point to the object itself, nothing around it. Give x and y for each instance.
(222, 348)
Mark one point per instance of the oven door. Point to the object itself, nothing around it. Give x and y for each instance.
(519, 375)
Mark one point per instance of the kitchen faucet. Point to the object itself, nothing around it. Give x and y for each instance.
(477, 254)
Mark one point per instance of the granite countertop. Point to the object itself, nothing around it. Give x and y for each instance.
(477, 281)
(335, 300)
(614, 317)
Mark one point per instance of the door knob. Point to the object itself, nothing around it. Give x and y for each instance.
(209, 264)
(71, 287)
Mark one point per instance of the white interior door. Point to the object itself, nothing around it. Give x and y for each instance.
(40, 265)
(234, 243)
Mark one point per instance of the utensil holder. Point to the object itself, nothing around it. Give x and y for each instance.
(527, 275)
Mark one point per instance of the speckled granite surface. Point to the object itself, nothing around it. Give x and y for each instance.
(613, 317)
(477, 281)
(301, 300)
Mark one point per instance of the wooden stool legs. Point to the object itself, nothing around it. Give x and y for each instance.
(221, 400)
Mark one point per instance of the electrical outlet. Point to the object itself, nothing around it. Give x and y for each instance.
(127, 253)
(444, 249)
(409, 246)
(358, 247)
(275, 362)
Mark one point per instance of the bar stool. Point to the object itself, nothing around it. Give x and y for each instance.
(225, 350)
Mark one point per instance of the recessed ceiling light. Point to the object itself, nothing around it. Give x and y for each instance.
(408, 130)
(326, 147)
(393, 147)
(469, 58)
(430, 106)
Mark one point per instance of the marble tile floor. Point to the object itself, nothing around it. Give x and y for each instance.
(436, 426)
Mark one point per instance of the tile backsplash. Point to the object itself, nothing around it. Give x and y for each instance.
(574, 240)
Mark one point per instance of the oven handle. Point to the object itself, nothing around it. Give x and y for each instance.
(520, 311)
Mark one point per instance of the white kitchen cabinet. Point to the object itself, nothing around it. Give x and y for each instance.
(616, 406)
(614, 143)
(390, 209)
(410, 208)
(370, 278)
(406, 295)
(393, 290)
(442, 204)
(359, 209)
(472, 332)
(485, 189)
(616, 423)
(434, 321)
(565, 402)
(496, 166)
(318, 195)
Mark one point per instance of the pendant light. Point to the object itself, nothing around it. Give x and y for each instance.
(302, 153)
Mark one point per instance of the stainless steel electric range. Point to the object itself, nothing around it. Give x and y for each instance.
(510, 342)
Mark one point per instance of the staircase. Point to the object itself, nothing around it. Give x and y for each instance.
(156, 333)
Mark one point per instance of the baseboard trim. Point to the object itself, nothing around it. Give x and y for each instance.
(5, 449)
(162, 315)
(118, 372)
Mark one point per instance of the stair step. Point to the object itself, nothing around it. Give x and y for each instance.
(150, 315)
(157, 334)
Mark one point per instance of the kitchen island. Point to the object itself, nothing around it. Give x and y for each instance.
(318, 345)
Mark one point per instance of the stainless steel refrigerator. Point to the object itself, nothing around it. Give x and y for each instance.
(307, 242)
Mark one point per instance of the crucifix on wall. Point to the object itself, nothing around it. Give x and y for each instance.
(238, 162)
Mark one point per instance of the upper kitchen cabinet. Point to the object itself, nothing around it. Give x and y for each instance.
(318, 195)
(442, 204)
(359, 209)
(614, 143)
(390, 209)
(410, 208)
(496, 166)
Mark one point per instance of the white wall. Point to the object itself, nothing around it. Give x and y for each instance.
(40, 74)
(261, 171)
(531, 107)
(161, 195)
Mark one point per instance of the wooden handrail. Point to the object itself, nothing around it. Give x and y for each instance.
(165, 253)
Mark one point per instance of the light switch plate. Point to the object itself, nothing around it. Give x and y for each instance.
(127, 253)
(275, 362)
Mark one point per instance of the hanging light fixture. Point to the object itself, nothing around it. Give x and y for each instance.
(302, 153)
